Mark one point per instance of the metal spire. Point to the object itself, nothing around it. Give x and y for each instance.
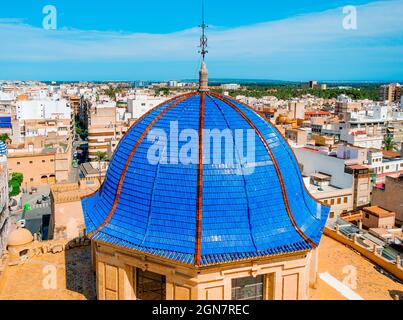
(203, 38)
(203, 74)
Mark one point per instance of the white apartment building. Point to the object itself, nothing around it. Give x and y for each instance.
(341, 182)
(172, 83)
(365, 128)
(141, 103)
(361, 138)
(106, 127)
(230, 86)
(340, 199)
(383, 165)
(43, 109)
(43, 118)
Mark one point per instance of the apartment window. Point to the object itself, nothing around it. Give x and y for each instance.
(366, 216)
(387, 168)
(325, 201)
(150, 285)
(332, 202)
(18, 163)
(31, 179)
(249, 288)
(338, 200)
(345, 199)
(331, 215)
(43, 161)
(30, 162)
(51, 160)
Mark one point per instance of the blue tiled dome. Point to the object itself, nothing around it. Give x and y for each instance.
(3, 149)
(205, 214)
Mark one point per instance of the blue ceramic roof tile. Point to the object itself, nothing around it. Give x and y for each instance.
(243, 209)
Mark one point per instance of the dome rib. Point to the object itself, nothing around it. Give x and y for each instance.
(242, 168)
(292, 152)
(128, 161)
(199, 202)
(154, 185)
(124, 137)
(287, 205)
(90, 199)
(313, 224)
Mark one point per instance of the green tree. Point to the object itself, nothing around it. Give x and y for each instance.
(111, 92)
(15, 183)
(389, 143)
(4, 137)
(100, 156)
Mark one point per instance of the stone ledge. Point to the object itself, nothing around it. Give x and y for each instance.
(21, 254)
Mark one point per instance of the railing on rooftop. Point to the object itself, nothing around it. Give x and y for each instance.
(370, 246)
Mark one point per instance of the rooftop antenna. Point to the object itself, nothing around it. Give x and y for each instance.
(203, 74)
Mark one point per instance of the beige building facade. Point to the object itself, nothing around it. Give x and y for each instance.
(376, 217)
(390, 197)
(43, 167)
(129, 275)
(67, 220)
(104, 131)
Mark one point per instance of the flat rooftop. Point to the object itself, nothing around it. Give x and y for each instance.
(76, 279)
(335, 258)
(379, 212)
(327, 188)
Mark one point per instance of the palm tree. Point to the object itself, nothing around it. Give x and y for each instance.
(100, 156)
(389, 144)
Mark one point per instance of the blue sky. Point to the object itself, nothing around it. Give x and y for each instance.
(157, 40)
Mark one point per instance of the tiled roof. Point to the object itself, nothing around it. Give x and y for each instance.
(205, 214)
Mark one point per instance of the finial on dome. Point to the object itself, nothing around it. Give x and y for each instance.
(203, 77)
(203, 74)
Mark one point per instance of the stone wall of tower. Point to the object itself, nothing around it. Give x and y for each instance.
(285, 277)
(4, 200)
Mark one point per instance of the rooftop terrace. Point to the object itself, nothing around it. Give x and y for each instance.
(75, 279)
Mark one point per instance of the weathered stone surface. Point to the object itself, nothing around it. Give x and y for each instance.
(74, 282)
(13, 262)
(57, 248)
(45, 248)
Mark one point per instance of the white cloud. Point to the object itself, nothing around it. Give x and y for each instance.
(377, 22)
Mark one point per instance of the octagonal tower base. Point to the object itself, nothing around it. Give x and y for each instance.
(124, 274)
